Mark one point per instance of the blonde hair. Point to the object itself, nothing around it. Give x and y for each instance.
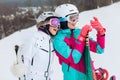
(41, 23)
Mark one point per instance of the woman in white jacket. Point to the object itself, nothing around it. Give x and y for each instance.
(39, 52)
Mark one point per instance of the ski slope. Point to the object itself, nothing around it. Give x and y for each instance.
(110, 18)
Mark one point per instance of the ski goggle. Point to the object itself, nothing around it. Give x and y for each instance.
(71, 18)
(54, 22)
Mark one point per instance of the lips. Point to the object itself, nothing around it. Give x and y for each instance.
(55, 29)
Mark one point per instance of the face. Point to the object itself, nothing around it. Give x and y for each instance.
(72, 25)
(54, 25)
(53, 29)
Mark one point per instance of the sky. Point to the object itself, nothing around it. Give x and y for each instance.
(109, 17)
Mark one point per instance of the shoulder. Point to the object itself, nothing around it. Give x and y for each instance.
(60, 34)
(38, 36)
(59, 37)
(77, 32)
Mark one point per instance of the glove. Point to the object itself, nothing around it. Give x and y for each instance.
(84, 32)
(18, 70)
(97, 25)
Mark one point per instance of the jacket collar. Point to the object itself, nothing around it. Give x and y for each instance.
(65, 31)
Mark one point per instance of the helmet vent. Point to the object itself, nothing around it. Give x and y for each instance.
(71, 10)
(50, 13)
(44, 13)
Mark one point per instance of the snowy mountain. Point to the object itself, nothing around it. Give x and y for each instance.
(109, 16)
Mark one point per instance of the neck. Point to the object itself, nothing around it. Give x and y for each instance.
(46, 30)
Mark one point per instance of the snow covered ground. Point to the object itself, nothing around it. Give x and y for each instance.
(110, 18)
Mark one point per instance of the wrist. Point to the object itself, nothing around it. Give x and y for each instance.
(81, 38)
(101, 31)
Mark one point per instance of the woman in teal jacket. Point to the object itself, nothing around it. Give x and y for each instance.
(69, 42)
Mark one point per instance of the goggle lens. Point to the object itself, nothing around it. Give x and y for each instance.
(70, 18)
(73, 17)
(54, 22)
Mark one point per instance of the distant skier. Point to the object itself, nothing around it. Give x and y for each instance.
(18, 68)
(16, 49)
(69, 43)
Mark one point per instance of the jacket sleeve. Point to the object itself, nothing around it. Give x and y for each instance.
(72, 54)
(99, 45)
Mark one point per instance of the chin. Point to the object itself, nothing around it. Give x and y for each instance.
(54, 33)
(73, 28)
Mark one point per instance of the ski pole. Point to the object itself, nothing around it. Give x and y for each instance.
(16, 51)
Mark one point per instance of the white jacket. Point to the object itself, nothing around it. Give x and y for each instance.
(38, 57)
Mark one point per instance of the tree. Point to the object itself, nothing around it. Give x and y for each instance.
(28, 3)
(116, 0)
(102, 3)
(86, 5)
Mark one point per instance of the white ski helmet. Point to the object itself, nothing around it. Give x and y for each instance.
(66, 9)
(44, 15)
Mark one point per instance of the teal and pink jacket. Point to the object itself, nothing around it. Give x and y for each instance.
(70, 52)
